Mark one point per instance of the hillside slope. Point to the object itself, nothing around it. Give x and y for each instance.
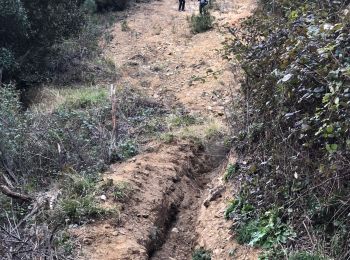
(178, 198)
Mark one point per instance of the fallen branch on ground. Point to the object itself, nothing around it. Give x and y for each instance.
(15, 195)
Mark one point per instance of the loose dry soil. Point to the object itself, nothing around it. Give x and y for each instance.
(177, 197)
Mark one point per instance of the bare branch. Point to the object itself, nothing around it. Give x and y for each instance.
(15, 195)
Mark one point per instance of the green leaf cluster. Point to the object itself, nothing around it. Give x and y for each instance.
(201, 254)
(295, 129)
(29, 28)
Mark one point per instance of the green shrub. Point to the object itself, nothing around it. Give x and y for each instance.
(79, 186)
(67, 145)
(273, 253)
(266, 231)
(121, 191)
(231, 170)
(67, 64)
(201, 254)
(116, 5)
(80, 209)
(214, 131)
(295, 57)
(90, 6)
(245, 232)
(239, 207)
(201, 23)
(7, 61)
(78, 203)
(15, 30)
(127, 148)
(231, 209)
(63, 240)
(30, 27)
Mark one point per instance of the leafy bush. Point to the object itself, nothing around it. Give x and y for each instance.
(53, 40)
(7, 61)
(79, 209)
(79, 185)
(266, 231)
(201, 254)
(63, 240)
(29, 28)
(116, 5)
(231, 170)
(90, 6)
(14, 18)
(127, 148)
(120, 191)
(296, 128)
(239, 207)
(78, 203)
(201, 23)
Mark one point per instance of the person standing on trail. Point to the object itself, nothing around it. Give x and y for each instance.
(182, 5)
(202, 4)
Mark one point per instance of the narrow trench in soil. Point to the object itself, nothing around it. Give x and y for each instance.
(175, 234)
(179, 233)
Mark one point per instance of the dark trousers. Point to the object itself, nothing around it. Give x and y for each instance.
(201, 8)
(182, 5)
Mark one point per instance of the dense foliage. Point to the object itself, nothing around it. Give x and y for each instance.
(201, 23)
(295, 135)
(105, 5)
(111, 4)
(43, 41)
(28, 28)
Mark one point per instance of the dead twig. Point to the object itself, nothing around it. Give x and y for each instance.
(15, 195)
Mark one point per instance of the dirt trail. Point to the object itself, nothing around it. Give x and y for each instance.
(155, 51)
(177, 195)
